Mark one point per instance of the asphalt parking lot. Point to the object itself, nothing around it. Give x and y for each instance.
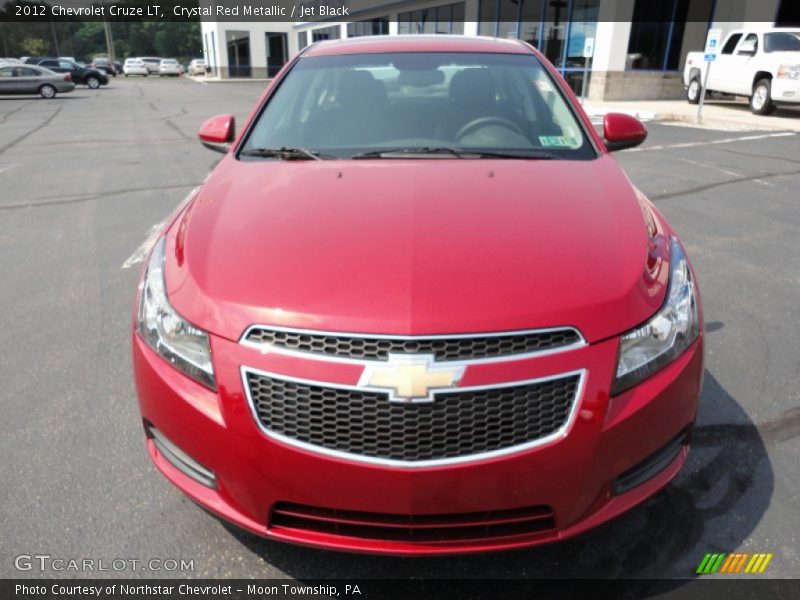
(85, 177)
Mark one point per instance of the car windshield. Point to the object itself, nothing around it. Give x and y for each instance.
(782, 42)
(349, 105)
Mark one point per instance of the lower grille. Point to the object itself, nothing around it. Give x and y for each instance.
(431, 529)
(457, 425)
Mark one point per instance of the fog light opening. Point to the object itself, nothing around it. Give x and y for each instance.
(180, 460)
(652, 465)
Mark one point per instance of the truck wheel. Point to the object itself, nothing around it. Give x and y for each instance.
(694, 91)
(47, 91)
(761, 101)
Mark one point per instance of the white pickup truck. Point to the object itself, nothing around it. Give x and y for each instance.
(762, 64)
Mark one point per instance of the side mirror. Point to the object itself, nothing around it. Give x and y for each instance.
(622, 131)
(218, 132)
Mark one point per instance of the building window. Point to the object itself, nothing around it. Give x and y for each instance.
(563, 30)
(302, 40)
(326, 33)
(487, 17)
(379, 26)
(657, 32)
(788, 14)
(238, 43)
(448, 18)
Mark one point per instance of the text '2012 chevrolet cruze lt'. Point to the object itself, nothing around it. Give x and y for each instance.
(417, 308)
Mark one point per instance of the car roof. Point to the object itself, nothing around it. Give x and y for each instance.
(418, 43)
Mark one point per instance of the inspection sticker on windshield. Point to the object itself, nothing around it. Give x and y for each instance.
(553, 140)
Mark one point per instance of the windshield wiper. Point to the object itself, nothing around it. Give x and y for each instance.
(388, 152)
(456, 152)
(284, 153)
(523, 154)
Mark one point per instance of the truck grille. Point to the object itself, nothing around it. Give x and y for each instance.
(443, 348)
(456, 425)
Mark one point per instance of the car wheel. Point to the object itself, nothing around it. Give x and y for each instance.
(694, 91)
(47, 91)
(126, 74)
(92, 83)
(761, 101)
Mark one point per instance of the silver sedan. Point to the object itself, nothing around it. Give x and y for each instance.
(29, 79)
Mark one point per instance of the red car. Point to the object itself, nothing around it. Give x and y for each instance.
(418, 308)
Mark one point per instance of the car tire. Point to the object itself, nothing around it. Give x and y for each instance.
(92, 82)
(47, 91)
(126, 74)
(694, 91)
(761, 101)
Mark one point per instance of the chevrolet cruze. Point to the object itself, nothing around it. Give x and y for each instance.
(418, 308)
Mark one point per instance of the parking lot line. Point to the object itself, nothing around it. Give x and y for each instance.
(743, 138)
(140, 253)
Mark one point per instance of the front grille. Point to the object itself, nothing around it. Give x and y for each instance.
(447, 348)
(462, 528)
(456, 424)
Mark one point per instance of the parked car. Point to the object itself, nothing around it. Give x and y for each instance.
(118, 67)
(197, 67)
(135, 66)
(104, 64)
(169, 67)
(29, 79)
(420, 277)
(91, 78)
(153, 63)
(761, 64)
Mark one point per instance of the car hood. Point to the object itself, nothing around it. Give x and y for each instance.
(415, 247)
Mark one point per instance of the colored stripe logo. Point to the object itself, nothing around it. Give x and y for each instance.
(735, 562)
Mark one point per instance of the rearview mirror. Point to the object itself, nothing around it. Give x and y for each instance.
(218, 132)
(622, 131)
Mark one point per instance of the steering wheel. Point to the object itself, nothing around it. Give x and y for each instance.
(482, 122)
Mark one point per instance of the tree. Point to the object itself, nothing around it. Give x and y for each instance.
(32, 46)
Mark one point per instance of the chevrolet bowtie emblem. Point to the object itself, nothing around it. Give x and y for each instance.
(410, 378)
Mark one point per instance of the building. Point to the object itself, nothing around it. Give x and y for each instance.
(606, 49)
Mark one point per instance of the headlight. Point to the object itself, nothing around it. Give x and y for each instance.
(648, 348)
(789, 72)
(179, 342)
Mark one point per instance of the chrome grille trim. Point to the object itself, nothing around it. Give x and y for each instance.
(560, 433)
(265, 347)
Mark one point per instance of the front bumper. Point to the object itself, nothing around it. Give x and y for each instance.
(573, 477)
(785, 90)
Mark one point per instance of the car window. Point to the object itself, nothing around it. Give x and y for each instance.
(27, 72)
(344, 105)
(49, 63)
(730, 45)
(749, 46)
(6, 72)
(782, 42)
(65, 64)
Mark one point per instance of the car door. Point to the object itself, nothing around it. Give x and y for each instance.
(75, 70)
(28, 80)
(743, 65)
(719, 77)
(7, 80)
